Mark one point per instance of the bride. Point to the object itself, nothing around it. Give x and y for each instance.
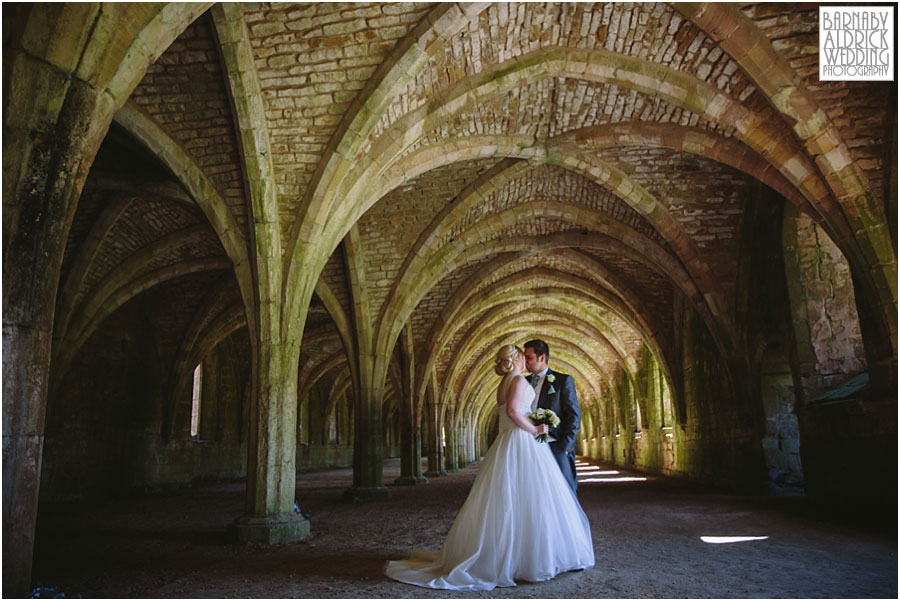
(521, 520)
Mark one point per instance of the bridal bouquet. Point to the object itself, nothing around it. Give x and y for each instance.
(544, 416)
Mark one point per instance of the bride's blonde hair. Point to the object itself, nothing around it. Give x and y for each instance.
(506, 356)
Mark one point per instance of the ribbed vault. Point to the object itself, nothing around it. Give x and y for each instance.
(340, 211)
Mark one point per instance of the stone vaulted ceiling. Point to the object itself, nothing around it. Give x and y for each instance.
(482, 172)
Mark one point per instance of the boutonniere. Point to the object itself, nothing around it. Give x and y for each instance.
(551, 379)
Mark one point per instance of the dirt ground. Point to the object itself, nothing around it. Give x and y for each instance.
(646, 539)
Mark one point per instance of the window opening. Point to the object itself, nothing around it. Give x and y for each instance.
(195, 401)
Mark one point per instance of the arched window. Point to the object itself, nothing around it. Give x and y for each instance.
(195, 401)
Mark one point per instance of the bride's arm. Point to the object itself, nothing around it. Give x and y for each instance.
(516, 397)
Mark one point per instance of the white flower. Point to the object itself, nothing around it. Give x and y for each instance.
(544, 416)
(551, 378)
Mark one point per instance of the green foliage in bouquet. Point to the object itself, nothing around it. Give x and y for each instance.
(544, 416)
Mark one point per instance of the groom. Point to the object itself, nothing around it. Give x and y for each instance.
(555, 391)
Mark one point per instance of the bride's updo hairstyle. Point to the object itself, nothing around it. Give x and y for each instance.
(506, 356)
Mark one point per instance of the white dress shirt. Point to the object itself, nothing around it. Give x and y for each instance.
(537, 389)
(537, 395)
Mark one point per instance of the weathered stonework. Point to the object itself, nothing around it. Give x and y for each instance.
(823, 297)
(341, 210)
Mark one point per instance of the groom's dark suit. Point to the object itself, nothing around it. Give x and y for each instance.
(559, 395)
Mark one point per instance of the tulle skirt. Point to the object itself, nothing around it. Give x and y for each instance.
(521, 521)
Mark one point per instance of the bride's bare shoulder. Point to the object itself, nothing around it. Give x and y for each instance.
(508, 381)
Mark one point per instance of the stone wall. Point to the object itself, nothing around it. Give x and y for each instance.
(718, 442)
(847, 425)
(324, 439)
(104, 430)
(823, 308)
(318, 456)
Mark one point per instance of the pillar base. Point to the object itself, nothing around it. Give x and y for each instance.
(411, 480)
(271, 529)
(435, 474)
(362, 494)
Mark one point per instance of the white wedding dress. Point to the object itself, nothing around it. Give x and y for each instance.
(521, 521)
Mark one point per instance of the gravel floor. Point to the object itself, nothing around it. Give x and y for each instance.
(647, 539)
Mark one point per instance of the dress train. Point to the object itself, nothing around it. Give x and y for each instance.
(521, 521)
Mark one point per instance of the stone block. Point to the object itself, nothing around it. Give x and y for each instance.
(261, 30)
(36, 96)
(345, 27)
(279, 528)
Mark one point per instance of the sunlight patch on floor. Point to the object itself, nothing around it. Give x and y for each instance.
(718, 540)
(591, 473)
(619, 479)
(596, 471)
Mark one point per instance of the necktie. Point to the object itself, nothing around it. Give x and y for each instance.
(535, 380)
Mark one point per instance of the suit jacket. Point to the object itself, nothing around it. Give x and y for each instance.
(564, 402)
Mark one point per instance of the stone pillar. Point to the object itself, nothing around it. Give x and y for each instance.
(271, 472)
(462, 446)
(271, 465)
(318, 426)
(26, 362)
(451, 456)
(368, 384)
(50, 140)
(480, 442)
(434, 442)
(410, 432)
(368, 447)
(228, 427)
(471, 455)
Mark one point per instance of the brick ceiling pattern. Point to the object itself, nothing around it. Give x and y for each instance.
(396, 222)
(317, 63)
(186, 93)
(648, 31)
(435, 301)
(312, 60)
(856, 109)
(546, 182)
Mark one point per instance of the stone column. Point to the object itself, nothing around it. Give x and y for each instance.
(228, 426)
(434, 442)
(318, 428)
(26, 351)
(368, 384)
(271, 472)
(368, 451)
(462, 459)
(451, 456)
(271, 464)
(471, 456)
(410, 432)
(48, 149)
